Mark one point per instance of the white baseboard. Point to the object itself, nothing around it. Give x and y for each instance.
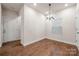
(11, 40)
(61, 40)
(25, 44)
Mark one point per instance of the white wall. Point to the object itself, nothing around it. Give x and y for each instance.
(0, 28)
(34, 25)
(21, 14)
(11, 22)
(77, 25)
(68, 26)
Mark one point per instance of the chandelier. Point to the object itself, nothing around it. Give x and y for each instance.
(50, 16)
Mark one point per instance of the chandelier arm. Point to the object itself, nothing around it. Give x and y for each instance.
(49, 16)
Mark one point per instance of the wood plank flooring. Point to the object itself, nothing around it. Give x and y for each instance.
(45, 47)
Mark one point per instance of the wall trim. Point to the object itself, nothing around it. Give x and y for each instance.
(25, 44)
(61, 41)
(11, 40)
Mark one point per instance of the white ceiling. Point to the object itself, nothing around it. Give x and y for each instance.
(12, 6)
(44, 7)
(41, 7)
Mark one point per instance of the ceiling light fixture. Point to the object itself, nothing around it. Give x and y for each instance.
(34, 4)
(49, 14)
(66, 5)
(46, 12)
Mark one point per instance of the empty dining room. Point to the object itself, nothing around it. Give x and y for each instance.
(39, 29)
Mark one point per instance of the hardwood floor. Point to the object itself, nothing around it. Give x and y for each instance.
(45, 47)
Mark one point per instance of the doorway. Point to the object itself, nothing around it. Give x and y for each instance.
(11, 25)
